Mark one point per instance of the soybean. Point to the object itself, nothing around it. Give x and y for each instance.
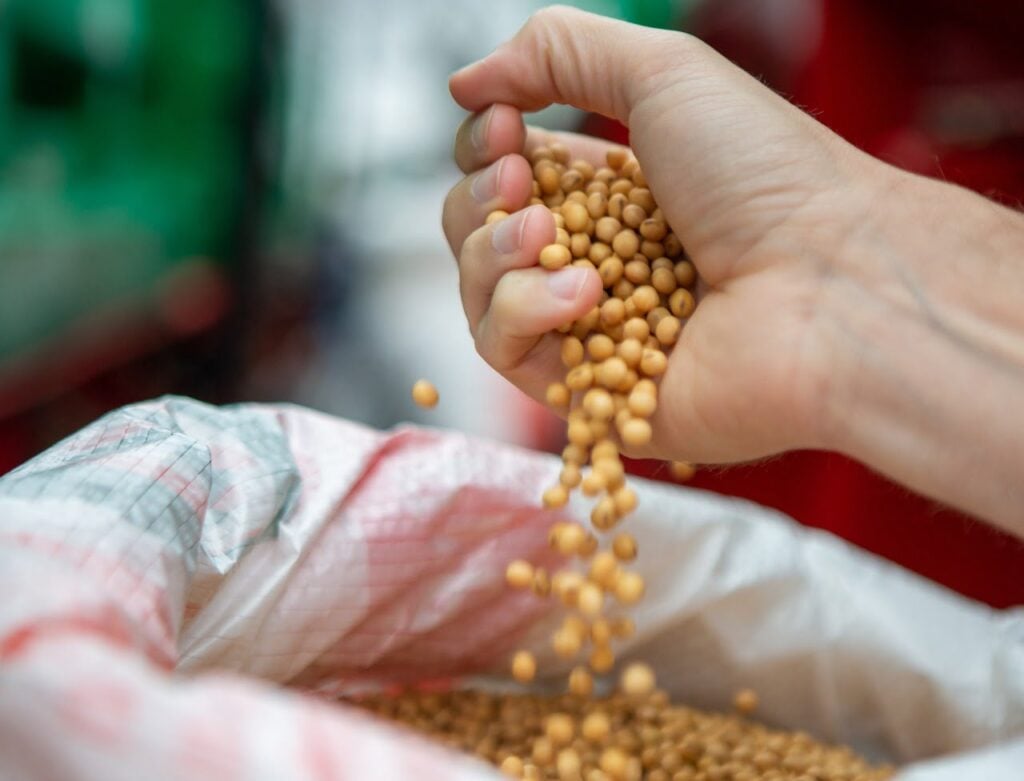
(425, 394)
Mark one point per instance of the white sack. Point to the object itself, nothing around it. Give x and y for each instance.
(167, 569)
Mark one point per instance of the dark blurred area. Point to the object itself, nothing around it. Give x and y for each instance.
(932, 86)
(130, 204)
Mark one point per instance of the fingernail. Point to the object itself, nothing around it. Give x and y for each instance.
(485, 186)
(478, 133)
(567, 283)
(508, 234)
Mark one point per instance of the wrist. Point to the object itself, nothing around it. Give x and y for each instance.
(926, 334)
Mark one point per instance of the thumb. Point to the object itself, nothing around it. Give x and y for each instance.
(563, 55)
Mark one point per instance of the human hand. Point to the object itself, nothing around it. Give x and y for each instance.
(759, 193)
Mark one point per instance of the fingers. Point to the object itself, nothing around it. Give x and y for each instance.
(505, 184)
(499, 130)
(491, 251)
(526, 305)
(485, 137)
(512, 305)
(567, 56)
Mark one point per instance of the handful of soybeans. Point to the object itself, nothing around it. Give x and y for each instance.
(606, 220)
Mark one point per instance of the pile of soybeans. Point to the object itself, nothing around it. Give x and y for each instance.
(607, 220)
(618, 738)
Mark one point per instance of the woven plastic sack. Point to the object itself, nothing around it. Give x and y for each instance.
(187, 590)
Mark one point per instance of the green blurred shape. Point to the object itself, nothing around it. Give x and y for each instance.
(652, 13)
(667, 14)
(120, 123)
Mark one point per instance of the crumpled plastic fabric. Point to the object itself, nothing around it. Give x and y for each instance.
(187, 590)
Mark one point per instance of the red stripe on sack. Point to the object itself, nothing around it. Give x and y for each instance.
(17, 643)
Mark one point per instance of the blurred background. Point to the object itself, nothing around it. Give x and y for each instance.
(240, 200)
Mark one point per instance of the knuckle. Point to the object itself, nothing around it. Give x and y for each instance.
(473, 286)
(473, 248)
(552, 16)
(489, 347)
(480, 344)
(551, 39)
(565, 44)
(447, 215)
(484, 343)
(467, 308)
(452, 214)
(506, 302)
(550, 30)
